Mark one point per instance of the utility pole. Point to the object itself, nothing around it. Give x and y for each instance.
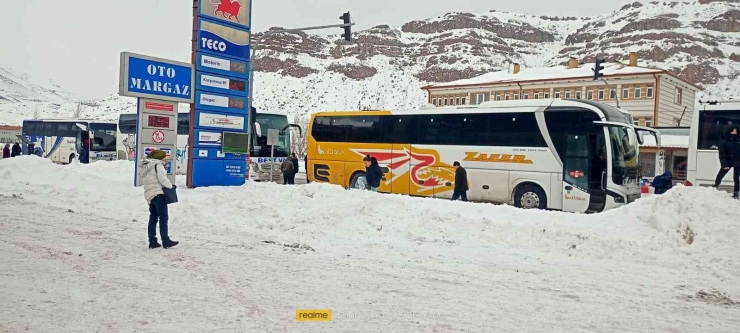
(346, 25)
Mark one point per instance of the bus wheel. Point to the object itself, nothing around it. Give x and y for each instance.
(354, 179)
(530, 196)
(71, 158)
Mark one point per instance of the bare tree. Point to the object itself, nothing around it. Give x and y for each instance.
(299, 141)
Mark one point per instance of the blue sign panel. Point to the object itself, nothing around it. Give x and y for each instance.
(221, 84)
(219, 39)
(222, 52)
(218, 172)
(222, 66)
(205, 100)
(148, 77)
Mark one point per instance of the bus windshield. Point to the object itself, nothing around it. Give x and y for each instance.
(624, 155)
(104, 137)
(272, 121)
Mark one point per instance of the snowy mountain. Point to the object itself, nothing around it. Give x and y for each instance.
(385, 67)
(19, 88)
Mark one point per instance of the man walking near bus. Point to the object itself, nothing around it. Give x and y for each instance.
(461, 182)
(729, 157)
(287, 168)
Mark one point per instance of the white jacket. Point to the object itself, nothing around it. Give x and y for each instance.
(153, 181)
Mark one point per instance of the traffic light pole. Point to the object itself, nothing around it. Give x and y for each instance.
(616, 94)
(252, 60)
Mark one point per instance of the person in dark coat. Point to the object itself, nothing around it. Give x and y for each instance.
(729, 157)
(373, 173)
(295, 167)
(461, 183)
(287, 168)
(662, 183)
(6, 151)
(16, 150)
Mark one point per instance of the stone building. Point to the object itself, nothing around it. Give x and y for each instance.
(655, 97)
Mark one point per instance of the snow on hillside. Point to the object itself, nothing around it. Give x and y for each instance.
(385, 67)
(20, 88)
(251, 256)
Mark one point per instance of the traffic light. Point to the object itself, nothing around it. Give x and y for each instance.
(597, 69)
(347, 26)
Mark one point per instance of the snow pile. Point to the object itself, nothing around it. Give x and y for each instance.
(252, 255)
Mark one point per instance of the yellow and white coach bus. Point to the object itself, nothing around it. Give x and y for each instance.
(570, 155)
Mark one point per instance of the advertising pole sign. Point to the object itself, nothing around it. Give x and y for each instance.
(159, 85)
(221, 49)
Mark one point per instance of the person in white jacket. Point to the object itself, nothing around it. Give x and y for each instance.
(153, 177)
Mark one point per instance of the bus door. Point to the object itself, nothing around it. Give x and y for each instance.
(577, 172)
(82, 143)
(399, 170)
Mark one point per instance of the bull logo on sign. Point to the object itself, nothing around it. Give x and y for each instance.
(229, 9)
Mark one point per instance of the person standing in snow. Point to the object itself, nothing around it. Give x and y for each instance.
(295, 167)
(153, 176)
(287, 168)
(6, 151)
(729, 157)
(461, 182)
(305, 166)
(16, 150)
(373, 173)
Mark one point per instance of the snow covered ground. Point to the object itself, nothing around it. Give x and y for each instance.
(73, 257)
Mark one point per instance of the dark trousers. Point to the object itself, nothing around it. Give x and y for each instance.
(460, 194)
(158, 210)
(288, 178)
(735, 177)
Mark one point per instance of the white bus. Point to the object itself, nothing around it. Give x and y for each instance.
(259, 157)
(570, 155)
(64, 140)
(709, 126)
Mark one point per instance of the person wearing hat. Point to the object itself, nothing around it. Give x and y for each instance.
(153, 177)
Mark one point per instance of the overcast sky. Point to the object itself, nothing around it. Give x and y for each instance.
(76, 44)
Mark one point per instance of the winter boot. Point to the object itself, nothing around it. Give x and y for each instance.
(735, 195)
(168, 243)
(153, 244)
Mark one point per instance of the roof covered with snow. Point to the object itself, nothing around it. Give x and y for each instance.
(667, 141)
(548, 73)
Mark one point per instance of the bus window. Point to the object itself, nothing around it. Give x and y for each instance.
(713, 127)
(104, 138)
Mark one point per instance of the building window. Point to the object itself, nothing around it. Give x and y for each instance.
(516, 96)
(625, 92)
(434, 100)
(613, 93)
(638, 92)
(636, 122)
(546, 93)
(479, 98)
(578, 94)
(567, 93)
(649, 122)
(601, 93)
(649, 92)
(557, 93)
(506, 96)
(589, 94)
(457, 100)
(526, 95)
(536, 95)
(679, 95)
(463, 100)
(445, 100)
(498, 97)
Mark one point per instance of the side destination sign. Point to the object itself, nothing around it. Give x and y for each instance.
(156, 78)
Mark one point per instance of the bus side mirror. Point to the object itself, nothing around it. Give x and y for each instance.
(640, 138)
(257, 129)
